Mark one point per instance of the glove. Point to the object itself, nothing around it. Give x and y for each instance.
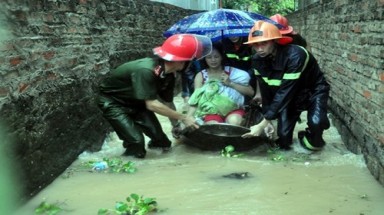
(257, 130)
(269, 131)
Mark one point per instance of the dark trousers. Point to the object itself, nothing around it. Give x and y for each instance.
(317, 121)
(130, 123)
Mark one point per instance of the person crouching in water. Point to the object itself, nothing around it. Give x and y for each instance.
(129, 95)
(290, 82)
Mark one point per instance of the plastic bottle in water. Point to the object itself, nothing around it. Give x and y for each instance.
(100, 166)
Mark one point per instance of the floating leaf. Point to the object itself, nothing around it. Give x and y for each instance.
(229, 151)
(48, 209)
(229, 148)
(121, 206)
(135, 197)
(135, 205)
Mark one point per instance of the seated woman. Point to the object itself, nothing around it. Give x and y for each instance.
(219, 91)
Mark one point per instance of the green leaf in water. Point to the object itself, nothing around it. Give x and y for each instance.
(229, 151)
(229, 148)
(121, 206)
(102, 211)
(45, 208)
(134, 205)
(135, 197)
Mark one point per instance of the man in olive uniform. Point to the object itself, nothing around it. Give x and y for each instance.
(290, 82)
(134, 91)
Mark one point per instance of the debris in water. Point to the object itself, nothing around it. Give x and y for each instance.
(237, 175)
(100, 166)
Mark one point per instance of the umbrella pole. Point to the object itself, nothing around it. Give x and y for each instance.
(222, 35)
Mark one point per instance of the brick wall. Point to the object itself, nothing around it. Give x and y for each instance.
(50, 67)
(59, 49)
(346, 36)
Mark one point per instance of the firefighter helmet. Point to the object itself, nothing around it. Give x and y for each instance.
(287, 29)
(264, 31)
(184, 47)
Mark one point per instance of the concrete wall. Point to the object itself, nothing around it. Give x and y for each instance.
(50, 67)
(193, 4)
(346, 36)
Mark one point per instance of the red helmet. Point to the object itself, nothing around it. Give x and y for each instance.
(184, 47)
(282, 21)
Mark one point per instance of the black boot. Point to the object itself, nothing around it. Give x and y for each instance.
(134, 150)
(282, 145)
(307, 141)
(164, 147)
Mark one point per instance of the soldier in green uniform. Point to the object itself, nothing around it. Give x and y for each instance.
(133, 92)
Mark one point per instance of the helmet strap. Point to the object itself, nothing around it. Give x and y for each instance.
(186, 66)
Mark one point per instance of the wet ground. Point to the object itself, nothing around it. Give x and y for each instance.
(190, 181)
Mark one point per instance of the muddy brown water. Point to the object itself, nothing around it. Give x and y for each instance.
(190, 181)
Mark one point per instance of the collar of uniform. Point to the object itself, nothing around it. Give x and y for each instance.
(159, 70)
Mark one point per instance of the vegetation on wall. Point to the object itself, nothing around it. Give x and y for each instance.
(264, 7)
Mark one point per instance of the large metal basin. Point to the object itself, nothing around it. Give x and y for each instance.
(215, 137)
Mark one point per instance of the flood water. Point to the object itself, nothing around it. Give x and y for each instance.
(190, 181)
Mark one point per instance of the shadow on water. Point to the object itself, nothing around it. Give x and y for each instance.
(187, 180)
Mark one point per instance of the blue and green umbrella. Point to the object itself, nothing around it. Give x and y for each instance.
(218, 23)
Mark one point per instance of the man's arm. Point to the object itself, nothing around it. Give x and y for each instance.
(172, 106)
(162, 109)
(297, 60)
(258, 129)
(244, 90)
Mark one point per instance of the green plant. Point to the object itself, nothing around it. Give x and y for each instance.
(134, 205)
(264, 7)
(116, 165)
(45, 208)
(275, 155)
(229, 151)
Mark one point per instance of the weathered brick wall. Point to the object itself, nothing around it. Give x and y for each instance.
(50, 67)
(346, 36)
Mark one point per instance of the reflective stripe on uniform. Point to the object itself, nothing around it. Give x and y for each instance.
(292, 76)
(306, 59)
(246, 58)
(272, 82)
(296, 75)
(309, 146)
(288, 76)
